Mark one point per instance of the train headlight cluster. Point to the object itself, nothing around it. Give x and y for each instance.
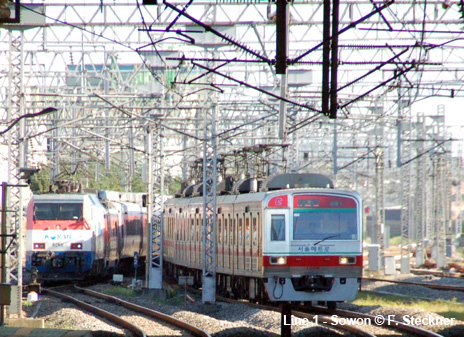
(76, 245)
(347, 259)
(279, 260)
(39, 245)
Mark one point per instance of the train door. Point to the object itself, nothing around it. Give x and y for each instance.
(233, 245)
(277, 229)
(220, 244)
(197, 240)
(225, 240)
(107, 236)
(247, 250)
(240, 245)
(192, 236)
(254, 243)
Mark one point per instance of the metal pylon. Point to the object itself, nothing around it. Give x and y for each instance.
(155, 182)
(459, 168)
(404, 155)
(405, 217)
(209, 207)
(380, 202)
(420, 193)
(440, 211)
(15, 155)
(293, 163)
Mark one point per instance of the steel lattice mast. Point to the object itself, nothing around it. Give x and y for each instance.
(15, 161)
(420, 210)
(380, 203)
(155, 200)
(209, 205)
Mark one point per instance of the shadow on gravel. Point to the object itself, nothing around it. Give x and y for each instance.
(240, 332)
(317, 331)
(454, 331)
(106, 334)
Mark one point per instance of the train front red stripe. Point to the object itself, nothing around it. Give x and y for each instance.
(314, 261)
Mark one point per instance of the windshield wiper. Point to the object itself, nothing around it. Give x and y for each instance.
(329, 237)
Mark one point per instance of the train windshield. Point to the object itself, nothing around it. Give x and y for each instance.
(320, 225)
(324, 217)
(58, 211)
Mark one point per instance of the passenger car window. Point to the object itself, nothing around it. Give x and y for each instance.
(277, 227)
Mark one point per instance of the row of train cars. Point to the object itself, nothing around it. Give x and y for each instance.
(291, 237)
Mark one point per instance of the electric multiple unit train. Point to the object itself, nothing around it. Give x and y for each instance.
(298, 239)
(291, 237)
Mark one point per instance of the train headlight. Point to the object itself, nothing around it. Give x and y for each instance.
(76, 245)
(279, 260)
(39, 245)
(347, 260)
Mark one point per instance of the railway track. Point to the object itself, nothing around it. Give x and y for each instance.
(315, 318)
(333, 323)
(332, 319)
(89, 302)
(387, 323)
(428, 285)
(436, 273)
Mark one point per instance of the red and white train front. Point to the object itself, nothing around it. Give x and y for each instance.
(312, 245)
(63, 231)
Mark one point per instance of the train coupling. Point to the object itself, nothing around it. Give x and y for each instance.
(313, 283)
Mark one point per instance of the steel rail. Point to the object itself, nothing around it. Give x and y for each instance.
(102, 313)
(386, 323)
(436, 273)
(320, 321)
(431, 286)
(333, 323)
(148, 312)
(392, 324)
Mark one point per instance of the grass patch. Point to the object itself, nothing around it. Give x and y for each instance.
(395, 241)
(451, 309)
(27, 304)
(175, 301)
(121, 291)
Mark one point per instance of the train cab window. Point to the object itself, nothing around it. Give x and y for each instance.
(277, 227)
(320, 225)
(57, 211)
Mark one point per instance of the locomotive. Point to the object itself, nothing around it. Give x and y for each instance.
(291, 237)
(76, 236)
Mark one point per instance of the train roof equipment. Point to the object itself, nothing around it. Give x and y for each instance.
(251, 185)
